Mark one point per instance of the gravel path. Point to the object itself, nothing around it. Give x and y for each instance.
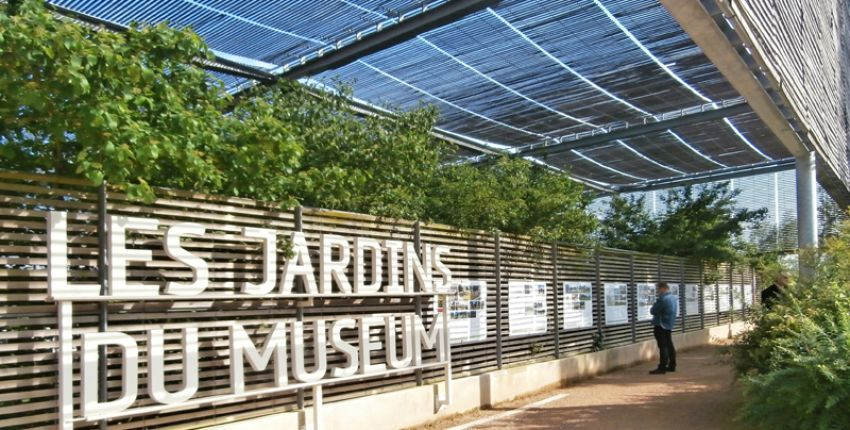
(702, 395)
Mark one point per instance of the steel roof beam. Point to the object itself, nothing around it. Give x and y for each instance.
(441, 15)
(710, 176)
(639, 130)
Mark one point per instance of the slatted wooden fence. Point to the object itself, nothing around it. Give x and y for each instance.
(28, 336)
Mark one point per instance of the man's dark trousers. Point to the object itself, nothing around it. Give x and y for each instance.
(664, 338)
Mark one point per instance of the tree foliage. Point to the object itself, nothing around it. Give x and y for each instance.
(131, 108)
(794, 361)
(514, 196)
(699, 222)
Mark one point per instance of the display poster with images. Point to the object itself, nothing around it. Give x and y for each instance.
(527, 310)
(737, 297)
(467, 307)
(616, 303)
(725, 295)
(709, 299)
(692, 299)
(645, 299)
(578, 305)
(674, 290)
(748, 295)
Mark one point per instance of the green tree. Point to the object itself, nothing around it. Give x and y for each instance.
(703, 222)
(515, 196)
(81, 101)
(288, 141)
(626, 224)
(700, 222)
(793, 362)
(131, 108)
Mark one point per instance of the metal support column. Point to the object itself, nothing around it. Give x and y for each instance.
(807, 214)
(683, 294)
(498, 301)
(701, 299)
(417, 301)
(600, 295)
(102, 364)
(299, 316)
(555, 290)
(631, 293)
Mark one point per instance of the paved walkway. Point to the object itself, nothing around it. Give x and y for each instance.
(700, 396)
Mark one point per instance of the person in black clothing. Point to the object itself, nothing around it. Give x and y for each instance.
(771, 294)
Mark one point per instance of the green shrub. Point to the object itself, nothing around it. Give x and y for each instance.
(795, 363)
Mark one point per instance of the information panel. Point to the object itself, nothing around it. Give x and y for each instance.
(616, 303)
(674, 290)
(645, 299)
(748, 295)
(709, 299)
(737, 297)
(692, 299)
(578, 305)
(527, 307)
(724, 297)
(467, 307)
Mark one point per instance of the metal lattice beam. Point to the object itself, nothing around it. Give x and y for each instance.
(708, 112)
(444, 14)
(710, 176)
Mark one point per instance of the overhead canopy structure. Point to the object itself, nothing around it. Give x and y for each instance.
(613, 91)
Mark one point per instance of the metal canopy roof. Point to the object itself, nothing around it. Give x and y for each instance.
(555, 80)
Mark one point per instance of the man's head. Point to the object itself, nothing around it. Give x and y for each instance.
(781, 279)
(662, 288)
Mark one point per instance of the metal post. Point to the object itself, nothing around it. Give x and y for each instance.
(701, 299)
(417, 301)
(299, 311)
(556, 289)
(807, 214)
(683, 291)
(498, 300)
(631, 292)
(600, 294)
(102, 364)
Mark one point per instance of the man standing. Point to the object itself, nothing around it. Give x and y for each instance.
(664, 312)
(771, 294)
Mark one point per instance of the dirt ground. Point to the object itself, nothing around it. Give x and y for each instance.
(701, 395)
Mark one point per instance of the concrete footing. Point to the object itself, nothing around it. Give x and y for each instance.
(415, 406)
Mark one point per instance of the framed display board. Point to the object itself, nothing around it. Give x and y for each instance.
(737, 297)
(748, 295)
(527, 310)
(709, 299)
(466, 303)
(616, 303)
(645, 299)
(724, 297)
(578, 305)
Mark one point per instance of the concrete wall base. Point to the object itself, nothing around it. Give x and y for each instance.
(415, 406)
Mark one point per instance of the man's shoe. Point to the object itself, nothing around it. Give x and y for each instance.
(658, 371)
(670, 369)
